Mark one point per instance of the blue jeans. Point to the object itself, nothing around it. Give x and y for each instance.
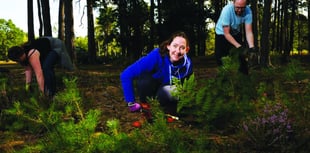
(148, 87)
(49, 73)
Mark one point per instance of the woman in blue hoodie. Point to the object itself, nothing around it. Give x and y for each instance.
(154, 73)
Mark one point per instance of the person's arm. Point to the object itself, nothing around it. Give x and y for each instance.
(144, 64)
(28, 74)
(28, 77)
(34, 61)
(249, 35)
(229, 37)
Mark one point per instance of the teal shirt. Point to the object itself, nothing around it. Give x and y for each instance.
(228, 17)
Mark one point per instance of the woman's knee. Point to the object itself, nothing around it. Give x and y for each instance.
(165, 94)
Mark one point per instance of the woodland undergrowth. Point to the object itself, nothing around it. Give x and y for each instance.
(266, 111)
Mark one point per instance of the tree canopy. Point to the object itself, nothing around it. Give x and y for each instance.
(10, 35)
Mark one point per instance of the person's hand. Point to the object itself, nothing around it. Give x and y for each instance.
(28, 87)
(253, 57)
(243, 52)
(252, 50)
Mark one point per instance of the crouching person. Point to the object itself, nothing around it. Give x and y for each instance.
(154, 73)
(40, 56)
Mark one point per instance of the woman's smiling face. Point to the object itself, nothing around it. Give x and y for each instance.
(177, 49)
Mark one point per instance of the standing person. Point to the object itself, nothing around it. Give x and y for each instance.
(40, 56)
(228, 34)
(154, 73)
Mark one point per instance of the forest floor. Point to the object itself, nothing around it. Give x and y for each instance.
(99, 87)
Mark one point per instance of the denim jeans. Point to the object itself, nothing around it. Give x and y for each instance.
(49, 73)
(148, 87)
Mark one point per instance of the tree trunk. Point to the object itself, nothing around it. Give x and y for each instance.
(201, 34)
(308, 25)
(61, 16)
(91, 33)
(46, 18)
(274, 27)
(30, 20)
(292, 22)
(40, 18)
(265, 33)
(123, 27)
(69, 29)
(152, 26)
(255, 24)
(285, 55)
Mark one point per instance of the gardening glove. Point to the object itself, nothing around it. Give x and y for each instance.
(253, 57)
(134, 106)
(252, 50)
(242, 52)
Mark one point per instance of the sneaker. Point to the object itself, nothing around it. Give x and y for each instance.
(133, 106)
(171, 118)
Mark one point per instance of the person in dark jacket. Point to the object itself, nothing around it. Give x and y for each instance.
(40, 56)
(154, 73)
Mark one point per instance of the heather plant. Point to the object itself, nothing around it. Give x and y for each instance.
(280, 122)
(271, 130)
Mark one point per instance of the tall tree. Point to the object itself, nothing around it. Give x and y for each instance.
(91, 33)
(61, 16)
(293, 5)
(285, 31)
(265, 33)
(30, 20)
(201, 30)
(45, 7)
(308, 1)
(40, 18)
(254, 8)
(69, 29)
(152, 25)
(122, 25)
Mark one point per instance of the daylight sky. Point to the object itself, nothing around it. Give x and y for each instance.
(16, 10)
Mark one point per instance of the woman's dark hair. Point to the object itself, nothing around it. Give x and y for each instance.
(163, 45)
(15, 52)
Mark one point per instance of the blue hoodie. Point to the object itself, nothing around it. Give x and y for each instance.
(161, 68)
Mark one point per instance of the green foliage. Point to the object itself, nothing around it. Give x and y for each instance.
(294, 72)
(10, 36)
(106, 31)
(81, 42)
(217, 102)
(184, 90)
(269, 109)
(70, 97)
(280, 120)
